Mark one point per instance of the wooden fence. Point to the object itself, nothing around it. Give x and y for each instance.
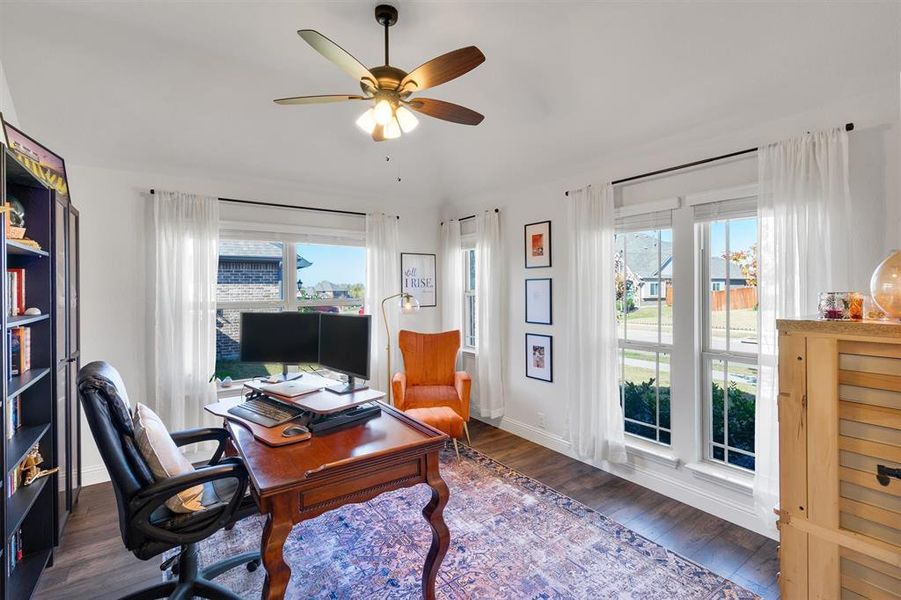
(739, 297)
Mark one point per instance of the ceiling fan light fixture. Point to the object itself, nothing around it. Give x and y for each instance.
(366, 122)
(383, 112)
(406, 119)
(392, 129)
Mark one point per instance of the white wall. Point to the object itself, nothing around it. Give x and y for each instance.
(874, 154)
(113, 207)
(6, 101)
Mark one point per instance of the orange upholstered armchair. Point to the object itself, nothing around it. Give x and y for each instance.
(431, 378)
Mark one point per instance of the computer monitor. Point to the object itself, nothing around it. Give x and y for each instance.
(344, 347)
(282, 337)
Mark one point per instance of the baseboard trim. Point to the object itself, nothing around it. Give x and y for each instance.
(657, 480)
(93, 475)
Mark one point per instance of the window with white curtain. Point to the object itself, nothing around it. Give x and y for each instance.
(274, 272)
(644, 267)
(469, 298)
(729, 325)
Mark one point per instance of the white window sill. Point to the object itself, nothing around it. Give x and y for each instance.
(651, 451)
(469, 351)
(724, 476)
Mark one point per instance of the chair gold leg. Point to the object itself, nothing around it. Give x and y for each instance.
(466, 430)
(456, 448)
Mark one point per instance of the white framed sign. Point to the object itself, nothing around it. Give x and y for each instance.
(539, 357)
(418, 277)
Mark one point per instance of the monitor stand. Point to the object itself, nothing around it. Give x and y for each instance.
(349, 388)
(285, 373)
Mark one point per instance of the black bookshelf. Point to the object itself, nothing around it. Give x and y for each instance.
(31, 514)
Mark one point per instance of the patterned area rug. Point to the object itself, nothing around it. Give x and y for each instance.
(511, 537)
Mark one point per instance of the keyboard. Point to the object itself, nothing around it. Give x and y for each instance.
(264, 411)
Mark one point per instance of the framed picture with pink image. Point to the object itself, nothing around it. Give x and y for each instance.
(539, 357)
(537, 244)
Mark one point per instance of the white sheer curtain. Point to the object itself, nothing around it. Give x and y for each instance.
(595, 420)
(382, 280)
(451, 276)
(804, 210)
(185, 258)
(491, 299)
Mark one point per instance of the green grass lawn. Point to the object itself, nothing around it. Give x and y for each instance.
(238, 370)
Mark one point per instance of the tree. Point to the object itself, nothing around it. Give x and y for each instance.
(747, 262)
(356, 290)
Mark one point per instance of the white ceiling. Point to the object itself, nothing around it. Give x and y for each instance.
(187, 87)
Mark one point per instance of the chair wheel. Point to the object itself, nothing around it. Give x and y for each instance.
(252, 565)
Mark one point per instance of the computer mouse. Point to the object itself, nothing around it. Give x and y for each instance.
(292, 430)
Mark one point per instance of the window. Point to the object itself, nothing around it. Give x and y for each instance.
(729, 334)
(469, 298)
(259, 275)
(644, 263)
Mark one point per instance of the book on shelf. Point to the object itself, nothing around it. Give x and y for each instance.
(16, 298)
(20, 349)
(16, 551)
(13, 416)
(14, 479)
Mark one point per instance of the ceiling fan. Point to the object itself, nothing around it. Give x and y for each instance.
(390, 89)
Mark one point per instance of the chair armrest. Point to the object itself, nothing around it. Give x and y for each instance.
(399, 388)
(203, 434)
(463, 384)
(149, 499)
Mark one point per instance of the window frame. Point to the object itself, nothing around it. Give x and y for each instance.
(470, 300)
(660, 347)
(707, 355)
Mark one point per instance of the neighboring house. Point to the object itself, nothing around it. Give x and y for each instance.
(327, 289)
(642, 256)
(249, 271)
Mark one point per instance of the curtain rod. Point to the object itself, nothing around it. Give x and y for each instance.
(471, 216)
(703, 161)
(294, 206)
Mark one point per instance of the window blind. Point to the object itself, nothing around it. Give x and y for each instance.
(726, 209)
(661, 219)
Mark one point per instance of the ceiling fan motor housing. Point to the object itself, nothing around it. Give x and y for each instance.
(386, 15)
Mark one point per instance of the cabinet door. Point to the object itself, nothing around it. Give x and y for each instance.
(60, 284)
(62, 446)
(74, 358)
(72, 250)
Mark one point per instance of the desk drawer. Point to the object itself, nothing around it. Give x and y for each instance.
(360, 486)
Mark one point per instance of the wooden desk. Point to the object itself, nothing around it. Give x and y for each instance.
(355, 464)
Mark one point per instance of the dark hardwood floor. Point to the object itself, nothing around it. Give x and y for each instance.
(92, 563)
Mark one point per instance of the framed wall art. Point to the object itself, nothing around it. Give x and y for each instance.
(539, 301)
(539, 357)
(537, 244)
(418, 277)
(45, 164)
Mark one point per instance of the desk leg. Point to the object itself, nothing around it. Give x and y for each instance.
(434, 514)
(280, 518)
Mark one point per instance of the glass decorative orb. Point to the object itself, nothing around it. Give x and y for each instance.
(885, 285)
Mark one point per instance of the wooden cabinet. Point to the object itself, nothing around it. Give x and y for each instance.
(840, 459)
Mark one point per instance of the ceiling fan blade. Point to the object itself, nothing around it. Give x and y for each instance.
(317, 99)
(446, 111)
(338, 55)
(442, 69)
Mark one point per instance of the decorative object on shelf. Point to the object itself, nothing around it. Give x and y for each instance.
(871, 310)
(885, 285)
(43, 163)
(539, 357)
(833, 306)
(537, 244)
(389, 88)
(31, 469)
(407, 305)
(539, 301)
(33, 311)
(855, 306)
(417, 277)
(15, 224)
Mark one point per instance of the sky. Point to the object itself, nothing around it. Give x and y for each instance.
(338, 264)
(742, 235)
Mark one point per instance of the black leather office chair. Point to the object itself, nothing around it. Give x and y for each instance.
(147, 526)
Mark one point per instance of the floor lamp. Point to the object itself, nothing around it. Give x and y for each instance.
(407, 305)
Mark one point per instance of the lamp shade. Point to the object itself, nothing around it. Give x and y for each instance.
(408, 304)
(885, 285)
